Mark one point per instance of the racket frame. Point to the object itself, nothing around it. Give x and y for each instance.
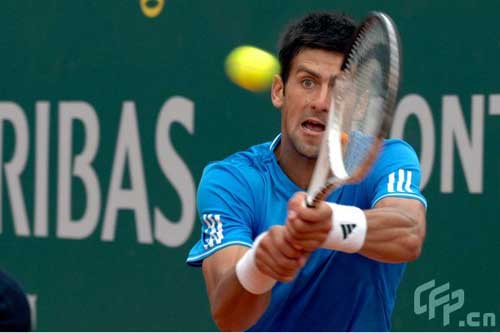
(329, 172)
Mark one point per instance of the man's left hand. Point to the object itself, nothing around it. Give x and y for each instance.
(307, 227)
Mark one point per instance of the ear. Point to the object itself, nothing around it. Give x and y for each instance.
(277, 91)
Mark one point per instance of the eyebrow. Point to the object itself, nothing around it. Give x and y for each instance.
(302, 68)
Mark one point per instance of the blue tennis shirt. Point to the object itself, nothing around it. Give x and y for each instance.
(248, 192)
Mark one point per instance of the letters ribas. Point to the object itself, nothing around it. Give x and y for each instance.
(71, 165)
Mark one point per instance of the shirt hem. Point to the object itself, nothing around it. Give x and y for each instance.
(400, 195)
(198, 259)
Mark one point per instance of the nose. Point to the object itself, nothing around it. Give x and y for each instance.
(321, 101)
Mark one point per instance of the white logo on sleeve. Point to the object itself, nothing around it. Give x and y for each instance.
(213, 233)
(400, 181)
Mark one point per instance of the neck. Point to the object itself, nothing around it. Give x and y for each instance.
(297, 167)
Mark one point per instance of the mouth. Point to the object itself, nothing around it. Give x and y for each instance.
(313, 126)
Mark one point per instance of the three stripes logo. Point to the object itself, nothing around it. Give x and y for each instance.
(214, 232)
(347, 229)
(400, 181)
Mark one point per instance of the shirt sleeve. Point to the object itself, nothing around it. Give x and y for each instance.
(396, 173)
(225, 207)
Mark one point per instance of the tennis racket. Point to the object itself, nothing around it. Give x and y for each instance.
(362, 108)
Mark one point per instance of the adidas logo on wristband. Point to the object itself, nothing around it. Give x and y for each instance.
(347, 229)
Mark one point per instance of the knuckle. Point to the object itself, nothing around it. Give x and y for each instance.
(261, 266)
(263, 247)
(300, 226)
(258, 263)
(291, 224)
(273, 230)
(283, 278)
(282, 274)
(292, 252)
(293, 232)
(293, 201)
(326, 227)
(259, 254)
(283, 265)
(311, 246)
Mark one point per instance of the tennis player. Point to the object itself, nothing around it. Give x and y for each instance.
(270, 263)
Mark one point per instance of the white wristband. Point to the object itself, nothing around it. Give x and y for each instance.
(253, 280)
(348, 229)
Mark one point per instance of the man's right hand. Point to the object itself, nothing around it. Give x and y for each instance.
(277, 257)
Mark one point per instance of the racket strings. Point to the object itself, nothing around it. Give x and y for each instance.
(362, 107)
(366, 66)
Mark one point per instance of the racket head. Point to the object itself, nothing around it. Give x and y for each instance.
(362, 107)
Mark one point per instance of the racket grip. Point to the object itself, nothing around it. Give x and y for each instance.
(309, 202)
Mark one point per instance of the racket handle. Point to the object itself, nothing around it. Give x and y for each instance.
(310, 203)
(312, 199)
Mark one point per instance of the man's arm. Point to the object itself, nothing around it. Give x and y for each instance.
(234, 308)
(396, 230)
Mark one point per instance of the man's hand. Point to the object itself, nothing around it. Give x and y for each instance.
(307, 228)
(277, 257)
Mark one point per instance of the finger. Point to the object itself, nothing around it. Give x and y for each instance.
(275, 246)
(310, 245)
(298, 227)
(275, 267)
(291, 216)
(267, 268)
(306, 245)
(309, 238)
(321, 212)
(281, 263)
(309, 214)
(298, 201)
(303, 259)
(281, 241)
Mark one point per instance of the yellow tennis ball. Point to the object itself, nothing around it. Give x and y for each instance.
(251, 68)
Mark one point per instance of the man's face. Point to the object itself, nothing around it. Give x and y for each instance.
(305, 100)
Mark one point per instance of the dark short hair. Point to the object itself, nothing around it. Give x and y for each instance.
(319, 30)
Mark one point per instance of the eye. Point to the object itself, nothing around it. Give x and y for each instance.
(307, 83)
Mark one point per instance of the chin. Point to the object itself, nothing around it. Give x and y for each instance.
(303, 146)
(307, 150)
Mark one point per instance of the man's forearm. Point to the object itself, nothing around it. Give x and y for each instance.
(233, 308)
(392, 236)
